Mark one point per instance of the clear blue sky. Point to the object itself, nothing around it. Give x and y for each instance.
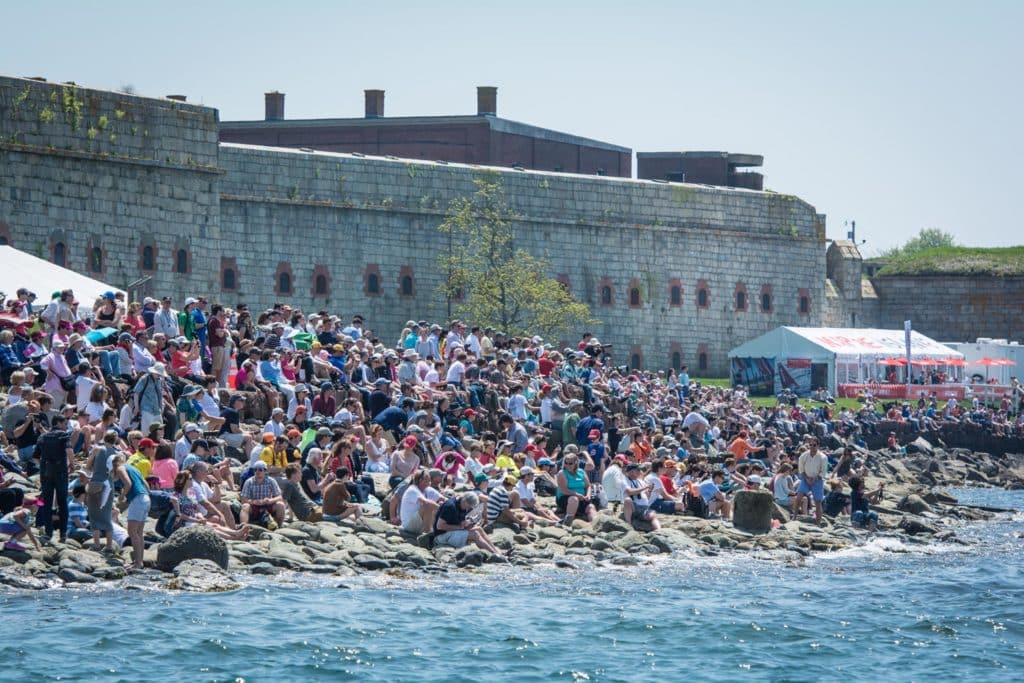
(900, 115)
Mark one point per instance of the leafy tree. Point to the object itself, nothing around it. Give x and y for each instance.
(490, 281)
(928, 238)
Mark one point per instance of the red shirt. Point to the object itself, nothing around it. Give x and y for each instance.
(669, 485)
(214, 328)
(546, 365)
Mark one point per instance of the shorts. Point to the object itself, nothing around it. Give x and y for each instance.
(414, 525)
(861, 518)
(10, 529)
(581, 510)
(454, 539)
(642, 512)
(664, 506)
(138, 509)
(817, 489)
(233, 440)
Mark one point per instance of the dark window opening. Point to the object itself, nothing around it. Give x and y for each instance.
(675, 296)
(766, 302)
(634, 297)
(181, 261)
(741, 301)
(147, 258)
(805, 304)
(228, 279)
(702, 361)
(96, 260)
(372, 284)
(677, 360)
(634, 361)
(60, 254)
(702, 298)
(606, 295)
(3, 241)
(320, 286)
(284, 283)
(406, 284)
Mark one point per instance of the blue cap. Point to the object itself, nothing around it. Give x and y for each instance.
(109, 295)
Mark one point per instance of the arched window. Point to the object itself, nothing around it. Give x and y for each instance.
(406, 285)
(634, 296)
(320, 284)
(766, 302)
(60, 254)
(606, 296)
(147, 258)
(634, 361)
(228, 279)
(702, 298)
(805, 304)
(702, 361)
(96, 260)
(675, 296)
(741, 300)
(284, 283)
(181, 261)
(373, 283)
(3, 241)
(677, 360)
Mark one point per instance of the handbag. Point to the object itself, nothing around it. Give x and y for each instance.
(68, 383)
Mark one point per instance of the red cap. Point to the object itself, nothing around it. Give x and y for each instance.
(594, 434)
(546, 387)
(469, 412)
(409, 442)
(292, 433)
(147, 443)
(620, 458)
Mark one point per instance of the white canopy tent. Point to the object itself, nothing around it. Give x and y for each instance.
(19, 269)
(805, 358)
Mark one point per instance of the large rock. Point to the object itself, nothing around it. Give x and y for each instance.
(201, 576)
(752, 511)
(192, 543)
(920, 445)
(914, 504)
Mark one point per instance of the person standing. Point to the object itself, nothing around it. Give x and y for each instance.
(136, 492)
(812, 467)
(219, 348)
(165, 320)
(56, 461)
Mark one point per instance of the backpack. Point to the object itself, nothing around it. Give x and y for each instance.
(160, 503)
(696, 505)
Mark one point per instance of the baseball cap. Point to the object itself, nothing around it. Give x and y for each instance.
(146, 443)
(594, 434)
(523, 471)
(268, 437)
(545, 462)
(259, 465)
(191, 427)
(480, 476)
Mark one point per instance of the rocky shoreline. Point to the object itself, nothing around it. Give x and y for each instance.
(916, 509)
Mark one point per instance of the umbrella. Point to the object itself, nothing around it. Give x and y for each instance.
(953, 362)
(892, 361)
(986, 361)
(1005, 361)
(924, 362)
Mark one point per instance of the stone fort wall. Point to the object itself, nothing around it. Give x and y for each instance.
(145, 182)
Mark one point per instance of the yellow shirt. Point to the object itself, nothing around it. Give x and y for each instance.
(273, 458)
(505, 462)
(141, 463)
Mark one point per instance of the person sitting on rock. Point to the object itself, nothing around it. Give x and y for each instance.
(261, 496)
(861, 513)
(291, 490)
(836, 502)
(18, 523)
(418, 507)
(662, 500)
(573, 497)
(499, 509)
(190, 512)
(782, 487)
(636, 506)
(710, 491)
(337, 498)
(453, 528)
(525, 497)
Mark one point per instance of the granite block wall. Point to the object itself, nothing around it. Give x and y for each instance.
(950, 308)
(137, 177)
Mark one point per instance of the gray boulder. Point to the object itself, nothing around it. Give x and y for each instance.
(914, 504)
(202, 576)
(192, 543)
(752, 511)
(920, 445)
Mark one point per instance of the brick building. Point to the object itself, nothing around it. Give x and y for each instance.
(484, 139)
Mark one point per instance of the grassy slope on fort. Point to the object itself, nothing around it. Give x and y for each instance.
(1001, 261)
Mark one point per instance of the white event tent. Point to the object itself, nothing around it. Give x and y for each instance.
(805, 358)
(19, 269)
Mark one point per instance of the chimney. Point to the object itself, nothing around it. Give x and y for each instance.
(486, 100)
(374, 104)
(274, 108)
(177, 98)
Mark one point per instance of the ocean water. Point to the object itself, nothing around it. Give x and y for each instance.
(885, 610)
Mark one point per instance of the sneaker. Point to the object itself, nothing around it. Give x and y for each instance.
(14, 545)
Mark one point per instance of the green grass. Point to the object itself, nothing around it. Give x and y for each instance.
(958, 261)
(711, 381)
(771, 401)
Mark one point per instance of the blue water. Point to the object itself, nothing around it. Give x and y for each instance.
(931, 612)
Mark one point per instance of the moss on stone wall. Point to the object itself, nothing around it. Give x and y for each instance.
(1003, 261)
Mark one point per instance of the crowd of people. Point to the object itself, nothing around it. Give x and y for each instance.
(119, 413)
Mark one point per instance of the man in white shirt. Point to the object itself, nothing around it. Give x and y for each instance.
(635, 503)
(457, 370)
(165, 320)
(473, 341)
(416, 511)
(812, 467)
(142, 359)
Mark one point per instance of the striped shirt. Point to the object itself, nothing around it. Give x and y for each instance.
(253, 490)
(497, 502)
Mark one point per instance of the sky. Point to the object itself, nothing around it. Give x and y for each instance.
(896, 115)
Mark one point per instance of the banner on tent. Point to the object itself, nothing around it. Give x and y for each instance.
(794, 374)
(757, 374)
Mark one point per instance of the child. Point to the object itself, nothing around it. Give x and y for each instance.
(861, 513)
(19, 522)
